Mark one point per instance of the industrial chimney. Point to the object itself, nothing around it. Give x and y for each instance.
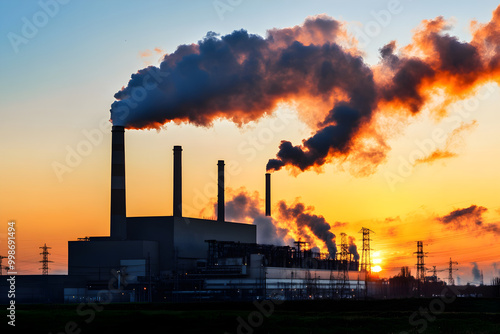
(268, 194)
(118, 208)
(177, 212)
(220, 194)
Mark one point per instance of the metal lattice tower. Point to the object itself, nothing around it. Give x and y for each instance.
(344, 249)
(420, 261)
(366, 261)
(420, 265)
(344, 265)
(45, 260)
(434, 271)
(451, 281)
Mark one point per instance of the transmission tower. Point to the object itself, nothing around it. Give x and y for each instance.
(45, 260)
(434, 272)
(366, 261)
(451, 281)
(420, 265)
(344, 264)
(420, 261)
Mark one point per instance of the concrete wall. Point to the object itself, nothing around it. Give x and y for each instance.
(174, 243)
(94, 260)
(160, 229)
(181, 240)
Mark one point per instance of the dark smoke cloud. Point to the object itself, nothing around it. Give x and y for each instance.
(292, 222)
(239, 77)
(470, 218)
(242, 77)
(353, 249)
(304, 220)
(475, 272)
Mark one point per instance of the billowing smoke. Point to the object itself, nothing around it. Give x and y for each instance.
(353, 249)
(294, 222)
(244, 206)
(242, 77)
(470, 218)
(306, 221)
(475, 272)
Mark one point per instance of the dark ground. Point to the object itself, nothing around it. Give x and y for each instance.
(462, 315)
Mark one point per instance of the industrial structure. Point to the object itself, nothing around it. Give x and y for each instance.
(366, 260)
(45, 259)
(451, 281)
(176, 258)
(180, 258)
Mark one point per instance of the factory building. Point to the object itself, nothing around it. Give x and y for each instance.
(180, 258)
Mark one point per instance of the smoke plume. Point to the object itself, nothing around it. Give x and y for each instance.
(353, 249)
(244, 206)
(475, 272)
(470, 218)
(242, 77)
(496, 268)
(293, 222)
(307, 222)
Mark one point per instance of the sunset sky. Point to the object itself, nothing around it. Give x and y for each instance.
(428, 173)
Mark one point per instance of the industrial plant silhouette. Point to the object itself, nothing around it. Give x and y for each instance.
(177, 258)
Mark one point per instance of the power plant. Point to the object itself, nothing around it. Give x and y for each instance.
(177, 258)
(180, 258)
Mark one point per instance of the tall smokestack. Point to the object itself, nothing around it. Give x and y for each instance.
(177, 181)
(118, 200)
(268, 194)
(220, 194)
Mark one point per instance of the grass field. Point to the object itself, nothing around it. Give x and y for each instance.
(381, 316)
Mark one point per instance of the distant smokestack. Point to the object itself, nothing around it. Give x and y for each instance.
(220, 195)
(118, 200)
(268, 194)
(177, 181)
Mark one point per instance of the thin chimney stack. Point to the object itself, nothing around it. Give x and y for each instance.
(177, 198)
(268, 194)
(220, 194)
(118, 199)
